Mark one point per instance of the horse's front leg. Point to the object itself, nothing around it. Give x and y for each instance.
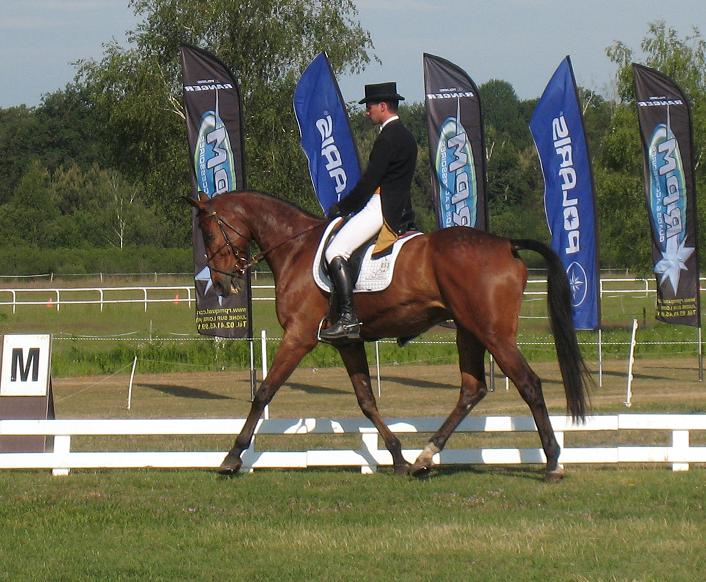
(287, 357)
(473, 390)
(356, 363)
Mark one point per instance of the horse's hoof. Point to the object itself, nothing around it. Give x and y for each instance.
(230, 466)
(555, 475)
(420, 471)
(402, 469)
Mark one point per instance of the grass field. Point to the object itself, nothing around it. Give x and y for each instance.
(482, 524)
(89, 340)
(470, 523)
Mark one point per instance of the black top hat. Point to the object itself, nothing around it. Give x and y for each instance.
(381, 92)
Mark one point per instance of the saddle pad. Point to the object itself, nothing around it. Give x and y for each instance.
(375, 274)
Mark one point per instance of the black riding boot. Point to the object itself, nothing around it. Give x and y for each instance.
(347, 326)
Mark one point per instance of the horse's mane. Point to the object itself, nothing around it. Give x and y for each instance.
(284, 202)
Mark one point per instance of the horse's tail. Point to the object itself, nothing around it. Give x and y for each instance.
(574, 372)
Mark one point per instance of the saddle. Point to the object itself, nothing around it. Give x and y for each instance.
(371, 270)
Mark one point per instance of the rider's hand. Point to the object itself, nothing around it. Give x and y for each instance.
(333, 212)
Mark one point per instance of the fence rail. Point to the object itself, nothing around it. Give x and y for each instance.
(368, 457)
(56, 297)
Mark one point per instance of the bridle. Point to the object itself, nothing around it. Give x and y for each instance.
(242, 264)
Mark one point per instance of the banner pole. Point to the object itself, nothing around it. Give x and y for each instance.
(253, 375)
(600, 357)
(263, 351)
(701, 356)
(492, 373)
(377, 365)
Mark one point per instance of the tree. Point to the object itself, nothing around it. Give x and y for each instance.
(502, 111)
(267, 44)
(28, 218)
(60, 131)
(17, 125)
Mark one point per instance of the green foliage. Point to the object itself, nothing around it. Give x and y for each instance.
(102, 163)
(76, 207)
(24, 260)
(137, 93)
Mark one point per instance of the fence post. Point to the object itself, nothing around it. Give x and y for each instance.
(62, 444)
(370, 447)
(680, 440)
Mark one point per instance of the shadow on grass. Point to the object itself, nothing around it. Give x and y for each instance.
(308, 389)
(637, 375)
(415, 382)
(535, 473)
(185, 392)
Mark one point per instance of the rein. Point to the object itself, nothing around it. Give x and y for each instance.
(241, 263)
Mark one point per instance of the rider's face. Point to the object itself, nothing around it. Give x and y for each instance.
(375, 112)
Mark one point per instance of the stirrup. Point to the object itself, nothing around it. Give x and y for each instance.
(350, 331)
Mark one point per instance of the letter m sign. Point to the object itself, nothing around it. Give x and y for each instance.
(25, 365)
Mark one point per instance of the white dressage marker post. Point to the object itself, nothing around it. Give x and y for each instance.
(631, 363)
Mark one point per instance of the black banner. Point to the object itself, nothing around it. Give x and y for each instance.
(665, 126)
(456, 146)
(213, 124)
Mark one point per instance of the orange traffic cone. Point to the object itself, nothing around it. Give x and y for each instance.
(176, 299)
(50, 303)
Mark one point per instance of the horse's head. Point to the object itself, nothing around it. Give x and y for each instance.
(225, 241)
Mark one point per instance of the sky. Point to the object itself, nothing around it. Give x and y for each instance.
(518, 41)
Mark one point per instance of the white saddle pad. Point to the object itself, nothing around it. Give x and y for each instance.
(375, 274)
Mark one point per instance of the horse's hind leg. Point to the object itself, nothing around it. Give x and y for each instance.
(513, 363)
(290, 352)
(356, 363)
(473, 388)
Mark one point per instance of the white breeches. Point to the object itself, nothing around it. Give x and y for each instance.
(363, 226)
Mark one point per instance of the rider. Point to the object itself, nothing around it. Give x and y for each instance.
(381, 201)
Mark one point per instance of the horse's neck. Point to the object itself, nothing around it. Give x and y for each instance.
(275, 226)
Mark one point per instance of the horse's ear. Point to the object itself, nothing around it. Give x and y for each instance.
(197, 203)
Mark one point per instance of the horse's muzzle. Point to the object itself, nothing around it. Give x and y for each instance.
(228, 285)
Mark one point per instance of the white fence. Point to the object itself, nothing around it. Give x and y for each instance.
(368, 457)
(56, 297)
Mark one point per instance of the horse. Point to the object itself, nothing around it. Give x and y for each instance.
(471, 277)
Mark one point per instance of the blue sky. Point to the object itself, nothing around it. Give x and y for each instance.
(519, 41)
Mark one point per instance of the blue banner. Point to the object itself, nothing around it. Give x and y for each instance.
(558, 133)
(326, 136)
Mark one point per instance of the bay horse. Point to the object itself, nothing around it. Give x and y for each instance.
(471, 277)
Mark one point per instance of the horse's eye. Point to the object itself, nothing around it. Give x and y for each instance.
(207, 238)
